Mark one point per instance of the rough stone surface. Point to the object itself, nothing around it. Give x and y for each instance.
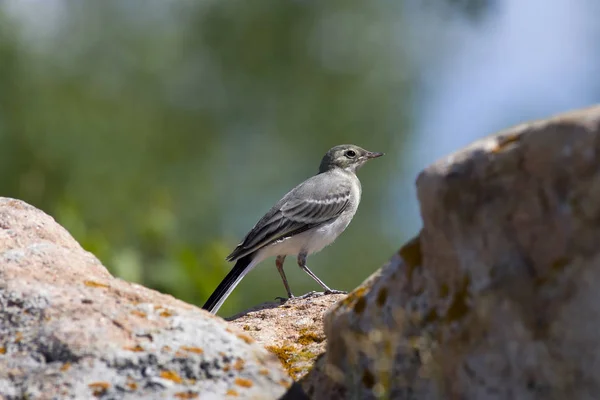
(497, 297)
(293, 331)
(68, 329)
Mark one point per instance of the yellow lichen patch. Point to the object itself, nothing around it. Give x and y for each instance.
(285, 353)
(306, 355)
(291, 358)
(231, 392)
(95, 284)
(245, 338)
(166, 314)
(99, 388)
(171, 375)
(196, 350)
(2, 350)
(368, 379)
(239, 364)
(503, 142)
(296, 371)
(247, 383)
(263, 371)
(65, 367)
(360, 305)
(411, 255)
(166, 348)
(131, 385)
(383, 386)
(139, 313)
(307, 337)
(186, 395)
(137, 348)
(381, 296)
(352, 296)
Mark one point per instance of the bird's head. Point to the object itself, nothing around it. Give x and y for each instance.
(346, 156)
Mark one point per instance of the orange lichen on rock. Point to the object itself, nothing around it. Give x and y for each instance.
(139, 313)
(503, 142)
(136, 348)
(239, 364)
(99, 388)
(247, 383)
(190, 349)
(285, 383)
(95, 284)
(245, 338)
(186, 395)
(131, 385)
(171, 375)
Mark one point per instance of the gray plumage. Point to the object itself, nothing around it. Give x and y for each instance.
(309, 204)
(308, 218)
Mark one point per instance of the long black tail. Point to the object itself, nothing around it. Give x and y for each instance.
(239, 270)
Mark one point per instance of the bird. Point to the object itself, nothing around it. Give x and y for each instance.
(307, 219)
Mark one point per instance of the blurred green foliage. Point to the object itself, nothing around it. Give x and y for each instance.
(158, 132)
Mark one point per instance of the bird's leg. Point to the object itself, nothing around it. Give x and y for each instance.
(302, 264)
(279, 264)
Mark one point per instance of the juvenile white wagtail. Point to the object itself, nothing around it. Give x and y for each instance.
(311, 216)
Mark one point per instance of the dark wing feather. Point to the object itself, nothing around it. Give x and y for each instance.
(308, 205)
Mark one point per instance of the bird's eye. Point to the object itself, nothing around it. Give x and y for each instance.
(350, 154)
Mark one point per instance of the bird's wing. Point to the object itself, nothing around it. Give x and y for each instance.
(305, 207)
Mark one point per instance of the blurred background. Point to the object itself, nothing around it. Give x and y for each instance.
(158, 132)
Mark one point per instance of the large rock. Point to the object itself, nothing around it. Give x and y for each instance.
(292, 331)
(68, 329)
(497, 297)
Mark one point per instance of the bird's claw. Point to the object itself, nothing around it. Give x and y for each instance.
(333, 291)
(284, 299)
(309, 294)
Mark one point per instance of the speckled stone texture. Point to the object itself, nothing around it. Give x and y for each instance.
(69, 330)
(497, 297)
(293, 331)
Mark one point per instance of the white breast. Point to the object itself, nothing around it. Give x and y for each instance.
(316, 239)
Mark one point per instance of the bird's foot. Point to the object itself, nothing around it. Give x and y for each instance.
(284, 299)
(333, 291)
(309, 294)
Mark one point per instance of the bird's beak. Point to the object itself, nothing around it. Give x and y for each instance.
(371, 154)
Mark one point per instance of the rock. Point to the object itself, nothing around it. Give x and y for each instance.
(68, 329)
(497, 297)
(293, 331)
